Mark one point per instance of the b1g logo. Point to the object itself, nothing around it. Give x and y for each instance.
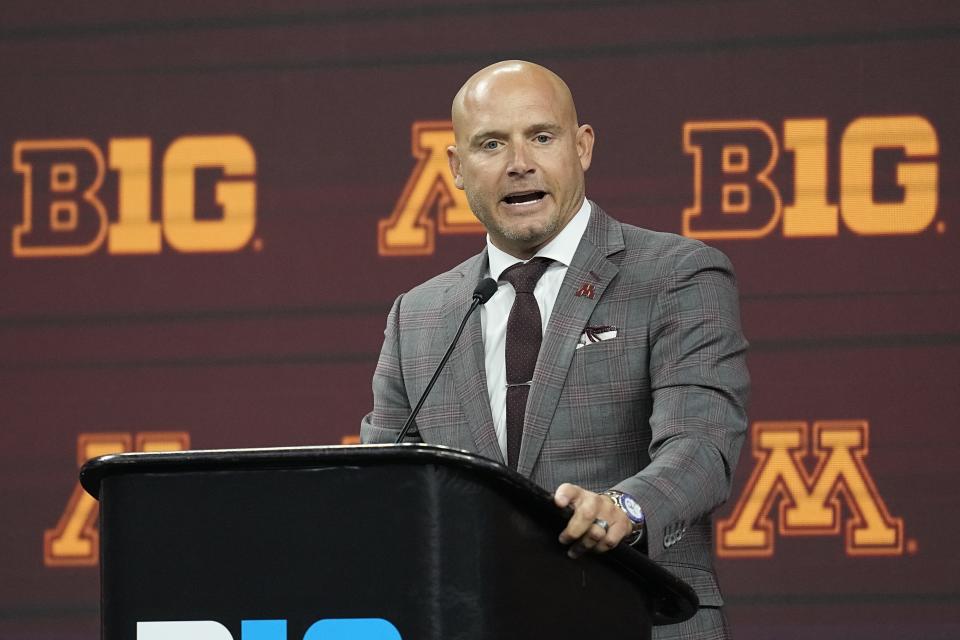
(734, 195)
(64, 214)
(329, 629)
(810, 502)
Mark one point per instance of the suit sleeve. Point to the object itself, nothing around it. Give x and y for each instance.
(390, 403)
(699, 384)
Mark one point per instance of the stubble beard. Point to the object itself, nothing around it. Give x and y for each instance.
(522, 234)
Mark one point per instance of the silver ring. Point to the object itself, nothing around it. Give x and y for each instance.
(603, 524)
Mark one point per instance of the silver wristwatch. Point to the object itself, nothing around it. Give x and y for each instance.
(631, 508)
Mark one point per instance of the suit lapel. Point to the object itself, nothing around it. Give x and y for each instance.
(590, 265)
(467, 360)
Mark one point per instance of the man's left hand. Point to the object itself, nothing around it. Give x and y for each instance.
(582, 532)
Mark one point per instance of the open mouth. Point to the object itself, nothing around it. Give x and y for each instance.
(526, 197)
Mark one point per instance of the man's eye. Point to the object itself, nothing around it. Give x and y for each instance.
(542, 138)
(491, 144)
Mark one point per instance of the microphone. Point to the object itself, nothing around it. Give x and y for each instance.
(483, 292)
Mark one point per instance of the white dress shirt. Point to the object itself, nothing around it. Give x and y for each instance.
(494, 314)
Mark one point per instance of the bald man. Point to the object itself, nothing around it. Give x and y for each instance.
(635, 410)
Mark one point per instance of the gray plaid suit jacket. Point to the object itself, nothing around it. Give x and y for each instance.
(657, 412)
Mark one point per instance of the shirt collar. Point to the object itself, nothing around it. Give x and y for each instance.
(560, 249)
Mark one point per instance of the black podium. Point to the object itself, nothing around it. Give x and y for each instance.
(370, 542)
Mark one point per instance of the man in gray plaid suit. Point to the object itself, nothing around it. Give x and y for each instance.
(637, 399)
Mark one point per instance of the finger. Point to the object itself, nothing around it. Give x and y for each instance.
(597, 540)
(590, 537)
(570, 495)
(576, 550)
(581, 546)
(585, 512)
(565, 494)
(600, 540)
(596, 533)
(616, 533)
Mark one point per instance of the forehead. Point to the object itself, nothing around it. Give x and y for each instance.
(511, 104)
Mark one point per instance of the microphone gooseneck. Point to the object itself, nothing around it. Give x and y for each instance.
(483, 292)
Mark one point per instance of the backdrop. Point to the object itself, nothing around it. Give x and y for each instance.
(206, 210)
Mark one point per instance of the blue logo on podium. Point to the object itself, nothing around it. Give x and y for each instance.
(328, 629)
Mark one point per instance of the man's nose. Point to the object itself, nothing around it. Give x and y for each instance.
(520, 162)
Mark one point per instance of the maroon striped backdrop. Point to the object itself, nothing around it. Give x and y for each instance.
(191, 204)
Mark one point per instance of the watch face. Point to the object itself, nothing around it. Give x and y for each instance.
(632, 508)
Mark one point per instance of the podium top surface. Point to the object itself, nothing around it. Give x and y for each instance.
(674, 601)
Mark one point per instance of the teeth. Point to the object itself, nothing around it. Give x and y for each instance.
(524, 198)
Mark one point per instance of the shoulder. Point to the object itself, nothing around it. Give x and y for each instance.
(667, 254)
(432, 293)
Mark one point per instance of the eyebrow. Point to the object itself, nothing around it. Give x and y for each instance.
(477, 138)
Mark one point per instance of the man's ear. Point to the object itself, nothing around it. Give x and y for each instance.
(454, 159)
(585, 145)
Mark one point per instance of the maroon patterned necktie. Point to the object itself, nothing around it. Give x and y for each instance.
(524, 334)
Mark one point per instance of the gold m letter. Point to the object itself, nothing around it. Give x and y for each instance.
(810, 502)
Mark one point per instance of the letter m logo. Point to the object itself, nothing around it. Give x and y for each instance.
(810, 503)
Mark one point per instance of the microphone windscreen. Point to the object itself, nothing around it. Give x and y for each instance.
(485, 290)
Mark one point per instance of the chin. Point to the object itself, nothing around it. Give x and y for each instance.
(530, 237)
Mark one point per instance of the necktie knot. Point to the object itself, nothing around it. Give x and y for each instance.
(524, 276)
